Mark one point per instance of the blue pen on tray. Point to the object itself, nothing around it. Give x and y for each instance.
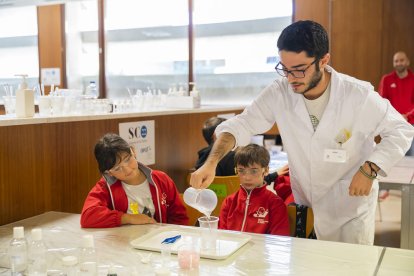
(171, 240)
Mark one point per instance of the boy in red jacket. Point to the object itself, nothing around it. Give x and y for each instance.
(254, 208)
(129, 192)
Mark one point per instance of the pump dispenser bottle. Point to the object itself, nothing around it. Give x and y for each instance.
(24, 100)
(196, 95)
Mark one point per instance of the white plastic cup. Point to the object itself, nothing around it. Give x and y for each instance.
(44, 105)
(165, 254)
(208, 226)
(9, 104)
(58, 103)
(188, 256)
(205, 200)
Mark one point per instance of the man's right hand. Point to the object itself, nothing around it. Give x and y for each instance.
(202, 178)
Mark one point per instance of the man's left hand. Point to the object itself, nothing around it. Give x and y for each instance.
(360, 184)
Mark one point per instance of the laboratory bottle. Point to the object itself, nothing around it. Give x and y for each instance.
(37, 254)
(70, 265)
(88, 260)
(24, 100)
(92, 90)
(18, 252)
(196, 96)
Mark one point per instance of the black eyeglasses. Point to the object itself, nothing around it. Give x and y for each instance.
(299, 74)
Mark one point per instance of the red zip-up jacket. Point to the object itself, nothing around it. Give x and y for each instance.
(259, 211)
(400, 93)
(107, 201)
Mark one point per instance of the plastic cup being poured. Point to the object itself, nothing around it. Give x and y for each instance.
(204, 200)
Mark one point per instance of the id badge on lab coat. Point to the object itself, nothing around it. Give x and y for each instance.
(334, 155)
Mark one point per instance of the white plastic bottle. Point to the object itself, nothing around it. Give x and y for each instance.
(91, 90)
(88, 260)
(18, 252)
(24, 100)
(70, 265)
(37, 254)
(196, 96)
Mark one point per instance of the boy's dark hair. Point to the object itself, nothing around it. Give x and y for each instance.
(209, 127)
(250, 154)
(307, 36)
(108, 149)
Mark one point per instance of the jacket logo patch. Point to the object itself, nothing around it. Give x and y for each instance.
(261, 214)
(393, 85)
(164, 199)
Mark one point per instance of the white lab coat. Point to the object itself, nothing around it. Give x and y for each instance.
(353, 105)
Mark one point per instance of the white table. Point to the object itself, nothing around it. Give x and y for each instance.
(397, 262)
(401, 178)
(262, 255)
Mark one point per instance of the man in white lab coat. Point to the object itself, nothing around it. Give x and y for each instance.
(328, 122)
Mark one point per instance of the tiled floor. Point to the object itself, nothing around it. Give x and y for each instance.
(387, 231)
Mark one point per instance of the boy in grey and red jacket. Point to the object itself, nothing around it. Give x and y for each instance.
(129, 192)
(254, 208)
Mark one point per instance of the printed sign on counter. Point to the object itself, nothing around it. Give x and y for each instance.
(141, 135)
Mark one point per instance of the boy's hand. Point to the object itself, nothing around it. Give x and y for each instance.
(136, 219)
(283, 170)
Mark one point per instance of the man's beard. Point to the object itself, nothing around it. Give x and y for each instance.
(400, 69)
(315, 80)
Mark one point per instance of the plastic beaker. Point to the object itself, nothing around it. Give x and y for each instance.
(9, 104)
(204, 200)
(208, 227)
(45, 106)
(188, 256)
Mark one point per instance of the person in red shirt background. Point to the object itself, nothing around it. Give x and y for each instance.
(398, 88)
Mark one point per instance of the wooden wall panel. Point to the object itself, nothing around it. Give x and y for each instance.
(51, 167)
(316, 10)
(356, 38)
(25, 172)
(51, 39)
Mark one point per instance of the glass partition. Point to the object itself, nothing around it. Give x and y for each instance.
(18, 47)
(82, 48)
(146, 46)
(235, 47)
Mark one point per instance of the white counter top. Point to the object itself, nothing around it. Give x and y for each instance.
(11, 120)
(262, 255)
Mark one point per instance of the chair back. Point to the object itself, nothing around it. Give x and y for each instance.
(223, 186)
(301, 221)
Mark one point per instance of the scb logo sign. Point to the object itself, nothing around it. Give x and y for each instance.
(138, 132)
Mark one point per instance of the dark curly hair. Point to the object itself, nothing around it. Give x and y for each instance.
(308, 36)
(109, 149)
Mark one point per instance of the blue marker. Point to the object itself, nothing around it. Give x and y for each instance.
(171, 239)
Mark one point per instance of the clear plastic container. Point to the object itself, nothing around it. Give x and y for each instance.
(88, 259)
(208, 227)
(189, 256)
(18, 252)
(37, 254)
(91, 90)
(70, 264)
(204, 200)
